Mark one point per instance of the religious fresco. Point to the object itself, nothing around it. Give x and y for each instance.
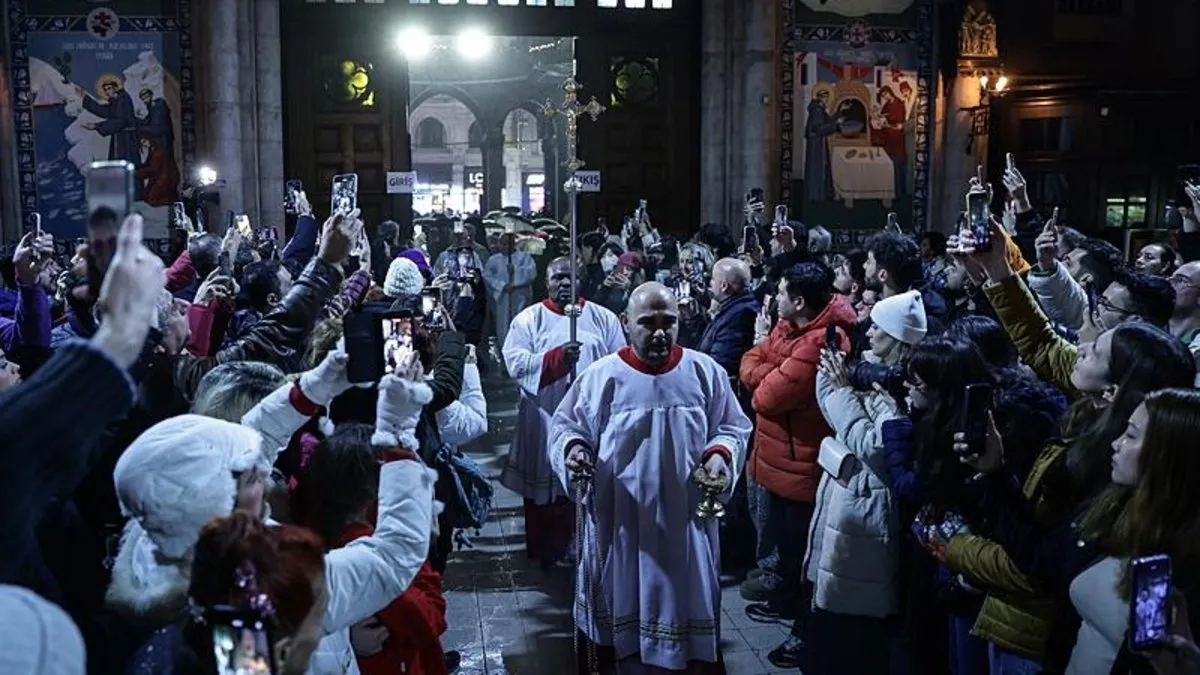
(95, 83)
(858, 113)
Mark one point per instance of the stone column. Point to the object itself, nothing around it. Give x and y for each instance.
(955, 166)
(268, 76)
(739, 104)
(222, 108)
(493, 170)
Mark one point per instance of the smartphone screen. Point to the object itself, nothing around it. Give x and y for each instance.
(243, 226)
(345, 193)
(979, 221)
(241, 645)
(109, 187)
(428, 303)
(362, 338)
(291, 194)
(749, 238)
(831, 338)
(977, 401)
(397, 342)
(781, 214)
(178, 215)
(1150, 601)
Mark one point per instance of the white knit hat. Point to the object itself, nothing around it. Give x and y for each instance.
(902, 317)
(403, 278)
(36, 637)
(176, 477)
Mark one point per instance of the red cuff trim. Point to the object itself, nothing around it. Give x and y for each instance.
(398, 454)
(717, 450)
(301, 403)
(554, 367)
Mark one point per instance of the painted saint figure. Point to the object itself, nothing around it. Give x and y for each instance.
(157, 124)
(818, 178)
(887, 132)
(119, 121)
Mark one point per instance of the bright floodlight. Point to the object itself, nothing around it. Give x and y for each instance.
(415, 43)
(474, 43)
(206, 175)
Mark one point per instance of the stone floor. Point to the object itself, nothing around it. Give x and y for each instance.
(508, 617)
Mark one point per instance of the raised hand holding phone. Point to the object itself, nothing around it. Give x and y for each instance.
(1046, 244)
(1015, 184)
(893, 225)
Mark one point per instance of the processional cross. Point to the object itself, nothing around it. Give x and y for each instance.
(571, 109)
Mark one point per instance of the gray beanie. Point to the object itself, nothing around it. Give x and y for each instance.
(403, 278)
(37, 637)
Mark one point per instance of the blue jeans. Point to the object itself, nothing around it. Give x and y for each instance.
(765, 551)
(1007, 663)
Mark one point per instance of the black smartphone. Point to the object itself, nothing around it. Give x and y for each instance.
(973, 422)
(35, 226)
(375, 343)
(749, 238)
(1149, 601)
(291, 195)
(831, 338)
(755, 201)
(109, 190)
(979, 220)
(241, 641)
(1093, 302)
(344, 197)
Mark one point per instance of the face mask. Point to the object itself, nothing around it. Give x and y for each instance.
(608, 263)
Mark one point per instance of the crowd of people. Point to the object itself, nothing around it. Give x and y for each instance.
(934, 454)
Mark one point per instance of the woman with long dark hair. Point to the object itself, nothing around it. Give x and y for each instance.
(1107, 379)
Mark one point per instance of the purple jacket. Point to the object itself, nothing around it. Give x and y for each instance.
(30, 325)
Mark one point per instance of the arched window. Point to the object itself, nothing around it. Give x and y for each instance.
(431, 134)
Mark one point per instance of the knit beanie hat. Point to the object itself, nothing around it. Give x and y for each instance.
(36, 637)
(418, 259)
(902, 317)
(403, 278)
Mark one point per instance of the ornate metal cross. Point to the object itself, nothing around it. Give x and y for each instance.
(571, 109)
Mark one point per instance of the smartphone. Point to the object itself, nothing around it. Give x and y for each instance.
(979, 220)
(457, 227)
(35, 226)
(1093, 302)
(344, 196)
(1009, 161)
(428, 303)
(243, 226)
(641, 215)
(291, 195)
(241, 642)
(831, 338)
(683, 291)
(893, 225)
(973, 421)
(781, 215)
(397, 341)
(372, 340)
(755, 202)
(177, 218)
(1150, 601)
(109, 194)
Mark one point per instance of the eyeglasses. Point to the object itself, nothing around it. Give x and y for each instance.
(1107, 305)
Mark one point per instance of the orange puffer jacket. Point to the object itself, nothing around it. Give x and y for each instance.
(781, 372)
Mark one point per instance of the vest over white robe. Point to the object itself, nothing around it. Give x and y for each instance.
(506, 304)
(648, 575)
(528, 352)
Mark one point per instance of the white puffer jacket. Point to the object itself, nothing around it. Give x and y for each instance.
(852, 556)
(465, 419)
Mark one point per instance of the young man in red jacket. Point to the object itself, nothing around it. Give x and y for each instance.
(781, 373)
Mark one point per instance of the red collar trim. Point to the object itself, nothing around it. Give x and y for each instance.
(631, 358)
(553, 306)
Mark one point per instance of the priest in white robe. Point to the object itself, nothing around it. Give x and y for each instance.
(638, 424)
(509, 276)
(539, 355)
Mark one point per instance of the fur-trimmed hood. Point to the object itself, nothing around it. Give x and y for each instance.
(174, 479)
